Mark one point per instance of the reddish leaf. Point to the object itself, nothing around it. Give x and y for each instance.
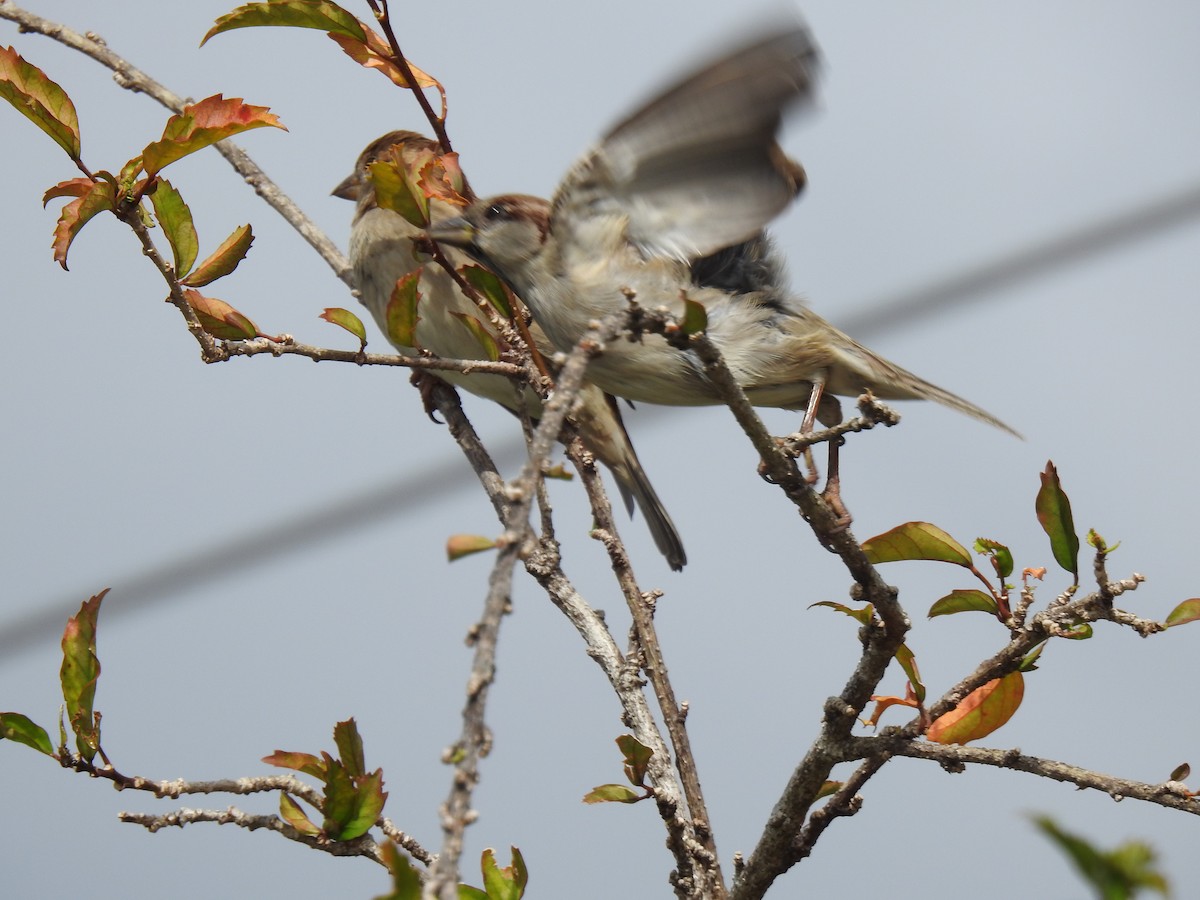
(507, 883)
(401, 315)
(442, 178)
(79, 673)
(1054, 513)
(74, 187)
(374, 53)
(19, 728)
(176, 221)
(637, 758)
(882, 704)
(202, 124)
(323, 16)
(964, 601)
(494, 290)
(916, 540)
(460, 545)
(224, 259)
(220, 319)
(343, 318)
(290, 812)
(300, 762)
(981, 712)
(99, 197)
(1187, 611)
(39, 99)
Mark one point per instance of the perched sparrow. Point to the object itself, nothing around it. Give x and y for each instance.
(382, 251)
(672, 205)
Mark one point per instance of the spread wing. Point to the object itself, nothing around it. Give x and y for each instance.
(697, 169)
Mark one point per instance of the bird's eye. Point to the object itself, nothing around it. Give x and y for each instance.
(498, 212)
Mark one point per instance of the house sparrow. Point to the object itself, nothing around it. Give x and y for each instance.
(382, 251)
(671, 205)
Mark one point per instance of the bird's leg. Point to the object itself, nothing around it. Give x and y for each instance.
(806, 427)
(833, 485)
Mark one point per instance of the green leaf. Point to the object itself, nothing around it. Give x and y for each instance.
(1187, 611)
(980, 712)
(488, 283)
(908, 662)
(916, 540)
(460, 545)
(220, 319)
(101, 196)
(79, 673)
(1054, 513)
(290, 812)
(397, 190)
(695, 317)
(401, 315)
(828, 789)
(350, 748)
(482, 333)
(507, 883)
(40, 100)
(406, 881)
(637, 758)
(360, 815)
(176, 221)
(863, 615)
(19, 728)
(202, 124)
(318, 14)
(612, 793)
(466, 892)
(224, 259)
(999, 554)
(1115, 874)
(964, 601)
(1029, 661)
(343, 318)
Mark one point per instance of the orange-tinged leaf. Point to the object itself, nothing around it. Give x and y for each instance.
(882, 704)
(482, 333)
(23, 730)
(400, 315)
(374, 53)
(290, 812)
(964, 601)
(460, 545)
(637, 758)
(176, 221)
(39, 99)
(980, 712)
(612, 793)
(73, 187)
(488, 283)
(202, 124)
(224, 259)
(507, 883)
(343, 318)
(318, 14)
(1187, 611)
(79, 673)
(100, 197)
(442, 177)
(301, 762)
(916, 540)
(1054, 514)
(220, 319)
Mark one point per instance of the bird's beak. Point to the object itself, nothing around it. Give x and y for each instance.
(458, 232)
(348, 189)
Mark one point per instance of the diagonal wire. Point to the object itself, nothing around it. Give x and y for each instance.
(376, 503)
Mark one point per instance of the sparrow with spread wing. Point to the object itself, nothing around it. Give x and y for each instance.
(382, 252)
(671, 205)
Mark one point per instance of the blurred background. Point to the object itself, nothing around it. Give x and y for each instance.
(1004, 199)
